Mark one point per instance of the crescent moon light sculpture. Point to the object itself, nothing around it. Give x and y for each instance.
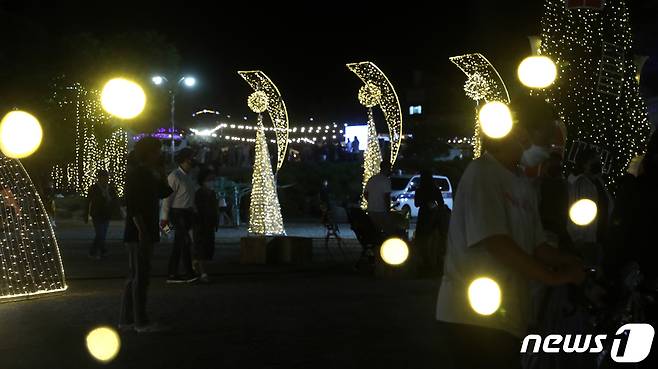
(377, 90)
(264, 210)
(389, 103)
(276, 107)
(483, 84)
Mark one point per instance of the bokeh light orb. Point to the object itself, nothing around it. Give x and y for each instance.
(537, 71)
(495, 119)
(394, 251)
(20, 134)
(123, 98)
(103, 343)
(583, 212)
(484, 296)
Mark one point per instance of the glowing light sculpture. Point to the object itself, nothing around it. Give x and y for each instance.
(596, 92)
(83, 107)
(30, 262)
(377, 90)
(264, 210)
(483, 85)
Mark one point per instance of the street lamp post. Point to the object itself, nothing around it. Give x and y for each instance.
(173, 90)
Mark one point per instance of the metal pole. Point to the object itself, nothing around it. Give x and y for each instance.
(173, 126)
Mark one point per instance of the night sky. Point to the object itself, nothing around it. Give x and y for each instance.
(304, 48)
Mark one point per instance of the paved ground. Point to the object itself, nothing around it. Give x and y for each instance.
(322, 315)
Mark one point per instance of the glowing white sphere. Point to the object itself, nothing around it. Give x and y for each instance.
(103, 343)
(123, 98)
(484, 296)
(583, 212)
(20, 134)
(394, 251)
(537, 71)
(495, 119)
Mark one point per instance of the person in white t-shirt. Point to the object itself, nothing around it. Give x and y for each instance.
(495, 232)
(378, 194)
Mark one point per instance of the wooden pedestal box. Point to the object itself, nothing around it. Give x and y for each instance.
(276, 250)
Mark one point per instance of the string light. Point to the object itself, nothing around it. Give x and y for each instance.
(483, 83)
(90, 156)
(596, 93)
(30, 262)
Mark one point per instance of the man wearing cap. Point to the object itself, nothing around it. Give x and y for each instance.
(178, 209)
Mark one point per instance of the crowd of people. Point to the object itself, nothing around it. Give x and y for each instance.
(510, 222)
(240, 154)
(184, 200)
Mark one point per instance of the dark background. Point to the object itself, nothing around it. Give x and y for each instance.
(302, 47)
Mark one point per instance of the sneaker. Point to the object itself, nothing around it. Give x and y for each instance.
(191, 278)
(204, 278)
(150, 328)
(175, 279)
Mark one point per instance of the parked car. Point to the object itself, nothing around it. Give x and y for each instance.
(404, 191)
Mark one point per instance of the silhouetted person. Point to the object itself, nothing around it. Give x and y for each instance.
(355, 145)
(102, 200)
(145, 186)
(429, 201)
(207, 223)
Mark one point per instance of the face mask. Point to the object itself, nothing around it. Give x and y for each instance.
(534, 156)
